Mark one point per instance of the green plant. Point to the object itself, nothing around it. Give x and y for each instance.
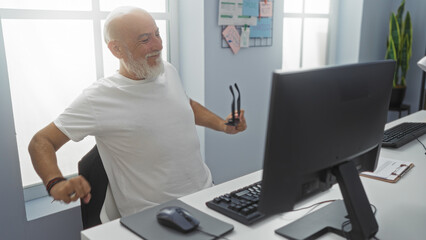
(399, 44)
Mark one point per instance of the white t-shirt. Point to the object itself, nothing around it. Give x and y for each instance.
(146, 136)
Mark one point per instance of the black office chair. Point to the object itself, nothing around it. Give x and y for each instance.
(91, 168)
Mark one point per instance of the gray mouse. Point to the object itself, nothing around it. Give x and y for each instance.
(177, 218)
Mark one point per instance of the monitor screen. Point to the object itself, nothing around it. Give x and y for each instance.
(325, 126)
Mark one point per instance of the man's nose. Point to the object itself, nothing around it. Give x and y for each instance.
(157, 43)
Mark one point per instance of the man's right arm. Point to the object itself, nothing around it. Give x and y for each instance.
(42, 149)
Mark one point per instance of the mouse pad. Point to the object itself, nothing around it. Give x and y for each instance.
(145, 224)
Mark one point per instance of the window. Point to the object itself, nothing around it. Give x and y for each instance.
(55, 49)
(306, 33)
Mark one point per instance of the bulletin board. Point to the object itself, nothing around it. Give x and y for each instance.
(254, 14)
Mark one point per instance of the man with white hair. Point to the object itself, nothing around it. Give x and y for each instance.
(142, 120)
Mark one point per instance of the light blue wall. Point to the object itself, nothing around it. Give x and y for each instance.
(417, 10)
(375, 29)
(12, 207)
(232, 156)
(191, 57)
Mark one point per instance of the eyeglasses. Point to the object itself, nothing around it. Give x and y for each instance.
(234, 121)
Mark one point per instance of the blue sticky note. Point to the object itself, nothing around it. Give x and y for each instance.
(263, 29)
(251, 8)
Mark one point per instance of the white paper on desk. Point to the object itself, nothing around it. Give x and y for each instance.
(389, 168)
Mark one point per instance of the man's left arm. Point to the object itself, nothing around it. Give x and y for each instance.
(206, 118)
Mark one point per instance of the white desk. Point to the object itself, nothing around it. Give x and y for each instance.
(401, 207)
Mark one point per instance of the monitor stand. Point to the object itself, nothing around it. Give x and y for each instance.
(360, 223)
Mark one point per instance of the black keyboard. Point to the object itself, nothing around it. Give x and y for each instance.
(240, 205)
(403, 133)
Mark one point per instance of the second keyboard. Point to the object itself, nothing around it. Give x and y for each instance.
(403, 133)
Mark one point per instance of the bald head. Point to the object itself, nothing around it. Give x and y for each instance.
(134, 38)
(121, 19)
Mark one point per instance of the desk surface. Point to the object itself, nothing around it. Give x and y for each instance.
(401, 207)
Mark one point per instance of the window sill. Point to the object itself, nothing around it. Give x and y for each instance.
(44, 206)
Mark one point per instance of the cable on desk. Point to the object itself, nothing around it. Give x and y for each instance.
(374, 209)
(315, 205)
(346, 223)
(200, 229)
(421, 144)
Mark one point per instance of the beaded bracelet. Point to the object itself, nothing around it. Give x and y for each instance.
(53, 182)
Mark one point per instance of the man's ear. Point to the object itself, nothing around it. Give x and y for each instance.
(116, 49)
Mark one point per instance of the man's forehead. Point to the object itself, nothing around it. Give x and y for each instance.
(135, 23)
(140, 22)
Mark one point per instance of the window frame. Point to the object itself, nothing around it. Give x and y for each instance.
(331, 33)
(37, 190)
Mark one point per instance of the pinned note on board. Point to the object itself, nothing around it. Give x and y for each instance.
(231, 13)
(265, 9)
(245, 37)
(232, 37)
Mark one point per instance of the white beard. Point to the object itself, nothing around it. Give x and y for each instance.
(141, 69)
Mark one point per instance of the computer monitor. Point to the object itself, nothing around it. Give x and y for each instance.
(325, 126)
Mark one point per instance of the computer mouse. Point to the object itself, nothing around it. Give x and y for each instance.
(177, 218)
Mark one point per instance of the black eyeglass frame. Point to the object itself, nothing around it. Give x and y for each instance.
(234, 121)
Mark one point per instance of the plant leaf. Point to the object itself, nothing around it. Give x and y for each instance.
(399, 43)
(391, 51)
(394, 31)
(400, 12)
(404, 56)
(391, 54)
(408, 30)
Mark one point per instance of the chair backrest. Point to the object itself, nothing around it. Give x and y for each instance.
(91, 168)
